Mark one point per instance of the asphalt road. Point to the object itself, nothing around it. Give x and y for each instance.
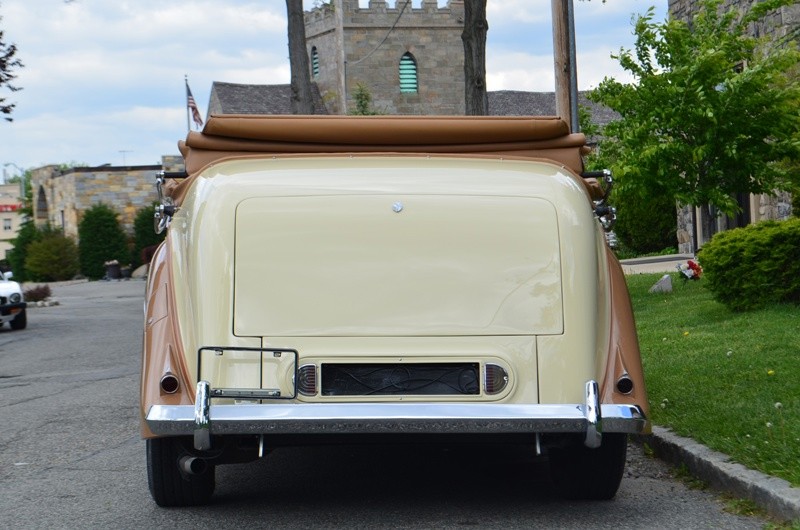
(70, 454)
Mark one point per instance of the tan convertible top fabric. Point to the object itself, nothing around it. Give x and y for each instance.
(237, 136)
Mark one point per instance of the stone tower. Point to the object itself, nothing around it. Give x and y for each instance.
(411, 60)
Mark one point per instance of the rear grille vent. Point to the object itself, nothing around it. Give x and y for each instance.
(423, 379)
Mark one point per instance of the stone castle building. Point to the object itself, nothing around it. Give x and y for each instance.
(409, 59)
(781, 24)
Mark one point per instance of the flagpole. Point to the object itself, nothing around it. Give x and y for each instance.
(188, 124)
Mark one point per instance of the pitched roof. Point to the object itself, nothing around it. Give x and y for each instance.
(521, 103)
(233, 98)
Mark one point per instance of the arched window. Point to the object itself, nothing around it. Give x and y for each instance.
(314, 62)
(41, 205)
(408, 74)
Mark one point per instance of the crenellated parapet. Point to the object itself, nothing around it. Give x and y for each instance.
(383, 12)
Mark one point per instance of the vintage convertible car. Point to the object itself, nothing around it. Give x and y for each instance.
(12, 303)
(328, 279)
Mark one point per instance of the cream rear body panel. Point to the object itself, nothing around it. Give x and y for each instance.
(220, 241)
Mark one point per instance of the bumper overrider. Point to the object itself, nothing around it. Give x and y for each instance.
(204, 420)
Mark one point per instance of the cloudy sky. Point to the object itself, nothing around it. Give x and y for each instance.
(103, 80)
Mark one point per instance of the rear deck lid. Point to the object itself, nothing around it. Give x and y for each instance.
(386, 265)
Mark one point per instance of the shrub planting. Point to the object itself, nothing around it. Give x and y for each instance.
(748, 268)
(143, 234)
(101, 240)
(53, 257)
(38, 293)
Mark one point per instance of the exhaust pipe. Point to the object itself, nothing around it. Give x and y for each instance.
(192, 465)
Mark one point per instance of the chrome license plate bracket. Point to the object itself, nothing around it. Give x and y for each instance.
(274, 364)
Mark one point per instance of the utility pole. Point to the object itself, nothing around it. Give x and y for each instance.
(566, 74)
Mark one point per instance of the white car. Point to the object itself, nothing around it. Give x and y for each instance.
(12, 303)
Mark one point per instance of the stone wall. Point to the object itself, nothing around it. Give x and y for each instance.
(776, 25)
(364, 46)
(62, 195)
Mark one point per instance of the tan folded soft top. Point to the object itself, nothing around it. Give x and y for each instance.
(245, 136)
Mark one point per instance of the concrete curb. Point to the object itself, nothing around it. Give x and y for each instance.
(776, 496)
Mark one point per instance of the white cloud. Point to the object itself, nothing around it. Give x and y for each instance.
(519, 71)
(104, 76)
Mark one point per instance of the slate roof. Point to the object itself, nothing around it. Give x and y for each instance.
(232, 98)
(520, 103)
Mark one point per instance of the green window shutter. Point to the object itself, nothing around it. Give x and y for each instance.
(314, 62)
(408, 74)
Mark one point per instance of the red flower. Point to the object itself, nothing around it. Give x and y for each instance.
(695, 267)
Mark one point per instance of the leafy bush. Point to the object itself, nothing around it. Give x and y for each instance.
(645, 225)
(54, 257)
(143, 233)
(101, 239)
(27, 234)
(748, 268)
(38, 293)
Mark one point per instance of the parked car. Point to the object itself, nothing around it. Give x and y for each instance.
(12, 302)
(334, 278)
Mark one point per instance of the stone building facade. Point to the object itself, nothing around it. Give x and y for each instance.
(62, 195)
(692, 234)
(410, 59)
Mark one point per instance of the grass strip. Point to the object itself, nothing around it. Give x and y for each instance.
(730, 381)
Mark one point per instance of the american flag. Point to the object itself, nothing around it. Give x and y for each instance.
(192, 106)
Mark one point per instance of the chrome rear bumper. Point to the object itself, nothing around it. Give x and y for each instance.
(203, 420)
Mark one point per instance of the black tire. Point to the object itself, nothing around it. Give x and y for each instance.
(20, 321)
(169, 486)
(590, 474)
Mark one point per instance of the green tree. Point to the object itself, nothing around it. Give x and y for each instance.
(27, 234)
(144, 234)
(712, 112)
(643, 226)
(8, 63)
(52, 257)
(101, 239)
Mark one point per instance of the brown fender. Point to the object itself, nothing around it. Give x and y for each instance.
(162, 353)
(623, 348)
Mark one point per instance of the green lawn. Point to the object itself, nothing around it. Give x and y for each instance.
(728, 380)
